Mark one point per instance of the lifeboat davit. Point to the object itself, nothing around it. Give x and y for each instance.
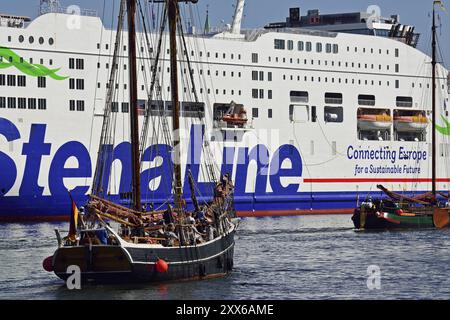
(374, 122)
(410, 123)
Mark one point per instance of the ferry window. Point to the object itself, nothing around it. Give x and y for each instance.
(80, 64)
(335, 48)
(114, 107)
(308, 46)
(11, 80)
(255, 58)
(397, 53)
(22, 103)
(269, 113)
(2, 102)
(319, 47)
(11, 103)
(301, 46)
(261, 93)
(328, 49)
(2, 80)
(9, 38)
(42, 104)
(290, 45)
(406, 102)
(279, 44)
(366, 100)
(21, 39)
(397, 68)
(313, 114)
(255, 93)
(80, 84)
(397, 84)
(41, 82)
(125, 107)
(41, 40)
(299, 96)
(31, 103)
(21, 81)
(334, 114)
(254, 75)
(333, 98)
(51, 41)
(193, 109)
(269, 76)
(80, 105)
(261, 76)
(255, 112)
(31, 39)
(269, 94)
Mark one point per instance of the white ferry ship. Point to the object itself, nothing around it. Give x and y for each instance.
(307, 115)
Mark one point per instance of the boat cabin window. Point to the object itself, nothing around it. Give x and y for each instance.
(299, 96)
(334, 114)
(374, 124)
(366, 100)
(410, 125)
(333, 98)
(404, 102)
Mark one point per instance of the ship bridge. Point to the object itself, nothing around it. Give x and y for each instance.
(355, 22)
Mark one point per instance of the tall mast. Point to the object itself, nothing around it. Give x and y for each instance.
(134, 123)
(433, 111)
(173, 17)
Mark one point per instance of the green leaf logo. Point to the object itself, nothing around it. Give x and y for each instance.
(11, 59)
(444, 130)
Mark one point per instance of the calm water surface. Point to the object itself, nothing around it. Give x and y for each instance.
(319, 257)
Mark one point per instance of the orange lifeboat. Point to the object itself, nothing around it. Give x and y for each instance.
(236, 115)
(374, 121)
(410, 123)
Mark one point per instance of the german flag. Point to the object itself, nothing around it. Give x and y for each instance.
(73, 221)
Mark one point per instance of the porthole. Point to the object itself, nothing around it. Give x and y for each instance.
(51, 41)
(21, 39)
(41, 40)
(31, 39)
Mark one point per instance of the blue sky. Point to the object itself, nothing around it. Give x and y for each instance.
(260, 12)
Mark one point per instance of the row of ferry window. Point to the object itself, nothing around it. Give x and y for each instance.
(31, 40)
(23, 103)
(281, 44)
(41, 61)
(217, 55)
(337, 98)
(307, 46)
(20, 81)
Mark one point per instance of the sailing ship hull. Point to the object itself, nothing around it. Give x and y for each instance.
(112, 264)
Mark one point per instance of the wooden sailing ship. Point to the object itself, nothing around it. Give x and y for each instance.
(430, 210)
(173, 244)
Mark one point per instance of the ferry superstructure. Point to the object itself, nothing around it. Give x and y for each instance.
(330, 113)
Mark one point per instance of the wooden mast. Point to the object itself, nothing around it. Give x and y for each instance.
(173, 17)
(134, 123)
(433, 111)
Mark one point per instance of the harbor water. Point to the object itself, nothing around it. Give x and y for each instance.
(306, 257)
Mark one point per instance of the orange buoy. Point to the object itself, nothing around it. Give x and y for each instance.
(48, 264)
(161, 266)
